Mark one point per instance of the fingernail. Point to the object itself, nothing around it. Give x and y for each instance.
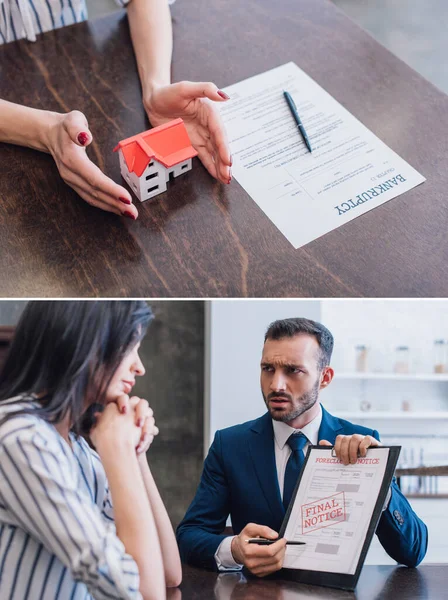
(223, 95)
(124, 410)
(231, 160)
(83, 138)
(129, 215)
(140, 422)
(124, 200)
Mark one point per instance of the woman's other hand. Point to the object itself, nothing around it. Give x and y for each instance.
(67, 137)
(194, 103)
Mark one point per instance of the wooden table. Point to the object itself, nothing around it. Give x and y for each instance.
(201, 238)
(375, 583)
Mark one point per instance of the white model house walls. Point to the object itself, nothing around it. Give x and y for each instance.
(153, 180)
(182, 167)
(155, 177)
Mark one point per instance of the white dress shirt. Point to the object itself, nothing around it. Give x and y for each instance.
(282, 431)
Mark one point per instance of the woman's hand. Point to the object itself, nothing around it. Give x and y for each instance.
(143, 418)
(114, 429)
(67, 137)
(193, 102)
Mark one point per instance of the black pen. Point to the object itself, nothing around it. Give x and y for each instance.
(265, 542)
(295, 114)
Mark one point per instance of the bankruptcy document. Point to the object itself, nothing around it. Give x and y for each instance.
(332, 511)
(307, 194)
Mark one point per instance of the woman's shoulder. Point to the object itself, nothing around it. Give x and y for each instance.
(17, 427)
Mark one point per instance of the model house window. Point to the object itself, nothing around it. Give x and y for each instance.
(184, 166)
(151, 176)
(151, 163)
(151, 189)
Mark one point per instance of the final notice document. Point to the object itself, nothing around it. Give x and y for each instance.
(332, 511)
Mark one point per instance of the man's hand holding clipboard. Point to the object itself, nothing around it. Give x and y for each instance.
(348, 448)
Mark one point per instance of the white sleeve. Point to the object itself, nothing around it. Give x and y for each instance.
(40, 489)
(224, 558)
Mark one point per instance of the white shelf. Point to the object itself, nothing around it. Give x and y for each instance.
(442, 377)
(360, 415)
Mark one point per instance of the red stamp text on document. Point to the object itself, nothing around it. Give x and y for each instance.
(323, 513)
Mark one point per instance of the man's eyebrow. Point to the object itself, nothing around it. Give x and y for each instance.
(280, 363)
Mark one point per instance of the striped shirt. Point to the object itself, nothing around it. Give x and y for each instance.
(57, 534)
(27, 18)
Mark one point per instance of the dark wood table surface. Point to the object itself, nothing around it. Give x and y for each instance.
(427, 582)
(201, 238)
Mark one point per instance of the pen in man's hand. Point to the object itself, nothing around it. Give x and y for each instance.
(295, 114)
(266, 542)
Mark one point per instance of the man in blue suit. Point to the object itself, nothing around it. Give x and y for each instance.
(251, 469)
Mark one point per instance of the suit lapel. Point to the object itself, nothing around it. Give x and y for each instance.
(261, 446)
(330, 427)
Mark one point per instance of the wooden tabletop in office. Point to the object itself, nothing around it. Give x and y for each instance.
(375, 583)
(201, 238)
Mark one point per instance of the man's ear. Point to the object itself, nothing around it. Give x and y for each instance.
(326, 377)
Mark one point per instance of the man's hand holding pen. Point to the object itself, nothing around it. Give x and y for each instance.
(259, 560)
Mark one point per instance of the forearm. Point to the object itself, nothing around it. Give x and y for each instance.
(168, 544)
(134, 519)
(152, 39)
(25, 126)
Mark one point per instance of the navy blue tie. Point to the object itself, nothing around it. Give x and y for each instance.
(297, 442)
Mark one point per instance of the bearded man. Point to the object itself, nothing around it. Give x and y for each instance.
(251, 469)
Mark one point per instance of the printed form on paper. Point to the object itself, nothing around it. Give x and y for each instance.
(307, 194)
(332, 511)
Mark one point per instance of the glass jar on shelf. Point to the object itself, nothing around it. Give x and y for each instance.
(361, 358)
(441, 356)
(402, 359)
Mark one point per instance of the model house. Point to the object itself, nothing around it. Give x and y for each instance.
(150, 159)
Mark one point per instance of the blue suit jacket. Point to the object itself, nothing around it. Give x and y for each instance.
(240, 479)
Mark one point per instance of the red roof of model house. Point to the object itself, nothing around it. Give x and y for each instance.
(169, 144)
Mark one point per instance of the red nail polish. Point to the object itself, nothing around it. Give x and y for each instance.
(129, 215)
(124, 200)
(83, 138)
(223, 95)
(231, 160)
(124, 410)
(140, 422)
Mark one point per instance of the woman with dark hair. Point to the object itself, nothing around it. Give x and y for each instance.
(75, 523)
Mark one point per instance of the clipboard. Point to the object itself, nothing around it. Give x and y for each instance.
(344, 581)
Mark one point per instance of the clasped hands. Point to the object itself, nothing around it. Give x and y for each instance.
(264, 560)
(66, 137)
(127, 421)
